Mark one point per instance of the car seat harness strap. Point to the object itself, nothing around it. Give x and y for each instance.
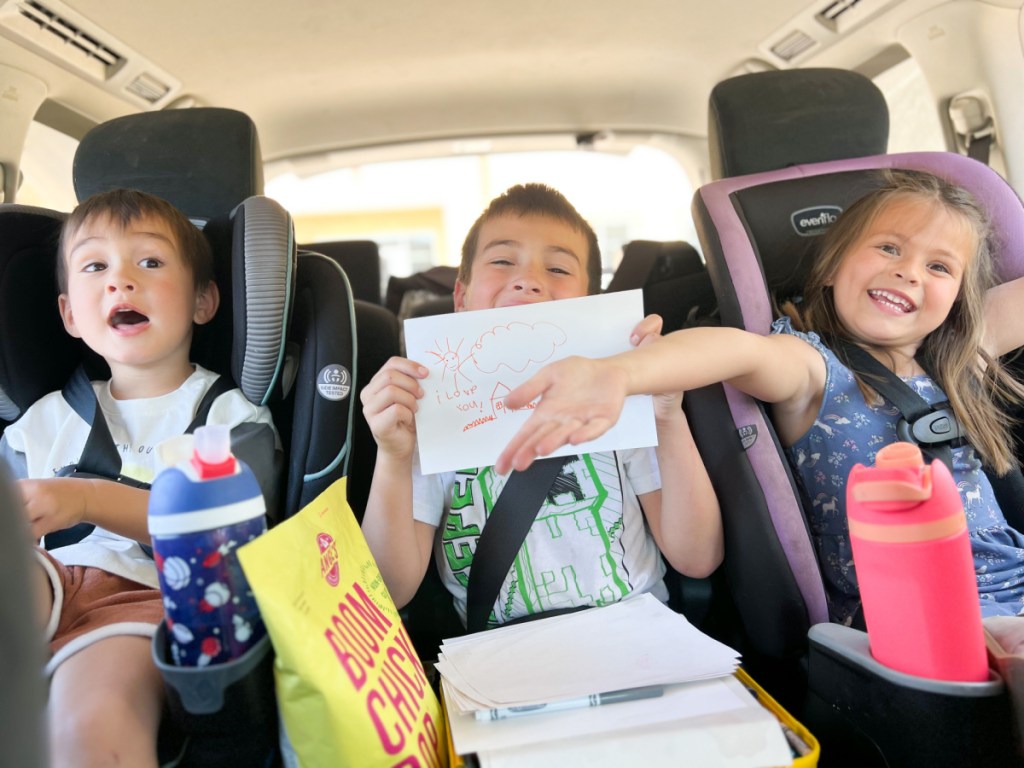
(933, 428)
(100, 457)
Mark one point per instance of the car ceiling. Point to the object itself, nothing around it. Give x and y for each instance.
(318, 74)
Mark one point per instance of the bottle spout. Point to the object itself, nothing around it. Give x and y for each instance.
(900, 475)
(900, 454)
(211, 455)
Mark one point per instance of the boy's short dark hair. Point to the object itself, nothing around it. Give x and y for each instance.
(128, 205)
(537, 200)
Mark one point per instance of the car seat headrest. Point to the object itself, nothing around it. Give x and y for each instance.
(255, 254)
(645, 262)
(361, 261)
(204, 160)
(765, 225)
(768, 120)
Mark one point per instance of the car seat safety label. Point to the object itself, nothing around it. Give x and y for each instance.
(334, 382)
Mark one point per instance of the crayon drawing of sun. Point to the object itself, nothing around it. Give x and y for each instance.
(450, 362)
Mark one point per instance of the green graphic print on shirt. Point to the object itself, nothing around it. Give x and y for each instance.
(573, 554)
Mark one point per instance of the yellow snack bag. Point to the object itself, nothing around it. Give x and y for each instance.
(350, 686)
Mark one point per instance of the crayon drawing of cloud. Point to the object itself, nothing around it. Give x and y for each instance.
(516, 346)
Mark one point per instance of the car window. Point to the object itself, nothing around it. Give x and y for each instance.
(914, 125)
(46, 164)
(419, 210)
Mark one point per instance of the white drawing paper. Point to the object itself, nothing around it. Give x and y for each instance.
(476, 358)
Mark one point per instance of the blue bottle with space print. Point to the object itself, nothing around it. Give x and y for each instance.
(202, 507)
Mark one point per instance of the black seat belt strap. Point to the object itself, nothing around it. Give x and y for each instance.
(980, 146)
(932, 429)
(504, 533)
(100, 457)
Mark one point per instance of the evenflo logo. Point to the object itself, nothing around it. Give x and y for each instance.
(813, 221)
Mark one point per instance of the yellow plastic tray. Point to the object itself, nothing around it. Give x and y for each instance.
(800, 739)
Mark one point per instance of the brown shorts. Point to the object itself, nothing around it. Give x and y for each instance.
(90, 604)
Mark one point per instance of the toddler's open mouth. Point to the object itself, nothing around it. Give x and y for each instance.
(126, 316)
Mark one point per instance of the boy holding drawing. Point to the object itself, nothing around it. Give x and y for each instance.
(598, 531)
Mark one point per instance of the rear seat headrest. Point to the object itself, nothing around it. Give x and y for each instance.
(204, 160)
(768, 120)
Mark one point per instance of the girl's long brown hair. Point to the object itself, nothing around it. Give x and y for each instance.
(978, 387)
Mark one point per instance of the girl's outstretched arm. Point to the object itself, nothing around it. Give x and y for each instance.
(1004, 322)
(581, 399)
(683, 514)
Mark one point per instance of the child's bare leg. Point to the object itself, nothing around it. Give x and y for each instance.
(42, 597)
(105, 705)
(1008, 632)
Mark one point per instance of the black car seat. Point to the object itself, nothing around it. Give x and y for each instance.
(256, 290)
(757, 232)
(286, 329)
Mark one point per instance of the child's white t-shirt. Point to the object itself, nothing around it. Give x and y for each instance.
(51, 435)
(590, 543)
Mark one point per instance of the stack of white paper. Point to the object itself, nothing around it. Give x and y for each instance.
(701, 710)
(629, 644)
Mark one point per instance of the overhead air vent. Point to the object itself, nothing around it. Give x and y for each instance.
(60, 37)
(148, 87)
(841, 16)
(831, 15)
(57, 32)
(793, 44)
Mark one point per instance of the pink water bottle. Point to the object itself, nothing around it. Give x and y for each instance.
(914, 565)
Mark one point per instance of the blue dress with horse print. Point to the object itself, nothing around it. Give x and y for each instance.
(848, 431)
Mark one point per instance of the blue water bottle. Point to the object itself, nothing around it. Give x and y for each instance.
(202, 507)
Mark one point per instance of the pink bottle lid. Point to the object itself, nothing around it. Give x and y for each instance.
(895, 501)
(908, 478)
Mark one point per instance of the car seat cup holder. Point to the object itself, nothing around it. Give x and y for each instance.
(214, 705)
